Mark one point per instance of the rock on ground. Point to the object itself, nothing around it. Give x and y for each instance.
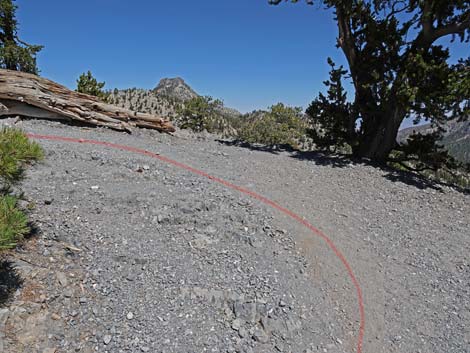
(137, 256)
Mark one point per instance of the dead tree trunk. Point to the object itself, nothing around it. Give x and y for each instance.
(36, 97)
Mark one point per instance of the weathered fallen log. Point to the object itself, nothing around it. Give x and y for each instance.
(36, 97)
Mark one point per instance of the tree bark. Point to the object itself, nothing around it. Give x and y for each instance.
(36, 97)
(380, 137)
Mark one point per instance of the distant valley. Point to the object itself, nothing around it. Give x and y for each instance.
(456, 138)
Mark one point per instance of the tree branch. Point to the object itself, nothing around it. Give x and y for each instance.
(426, 19)
(429, 34)
(396, 11)
(453, 28)
(345, 39)
(277, 2)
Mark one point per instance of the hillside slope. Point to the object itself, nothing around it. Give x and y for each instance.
(146, 101)
(175, 88)
(456, 139)
(164, 100)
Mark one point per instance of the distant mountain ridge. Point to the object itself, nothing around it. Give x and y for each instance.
(165, 99)
(456, 139)
(176, 88)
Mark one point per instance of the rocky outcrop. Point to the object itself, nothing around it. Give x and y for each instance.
(175, 88)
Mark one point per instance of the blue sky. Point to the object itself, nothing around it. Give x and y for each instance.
(246, 52)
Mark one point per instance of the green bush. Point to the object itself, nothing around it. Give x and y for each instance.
(281, 125)
(13, 223)
(16, 151)
(87, 84)
(200, 113)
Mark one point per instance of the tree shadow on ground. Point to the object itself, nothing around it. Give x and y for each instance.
(334, 160)
(337, 160)
(416, 180)
(34, 231)
(275, 149)
(10, 281)
(394, 175)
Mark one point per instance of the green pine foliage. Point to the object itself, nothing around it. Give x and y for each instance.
(421, 152)
(13, 223)
(200, 113)
(14, 53)
(16, 152)
(280, 125)
(87, 84)
(332, 115)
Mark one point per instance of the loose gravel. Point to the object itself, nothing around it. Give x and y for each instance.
(137, 256)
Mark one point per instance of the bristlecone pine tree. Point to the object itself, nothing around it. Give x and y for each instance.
(87, 84)
(14, 53)
(199, 113)
(399, 68)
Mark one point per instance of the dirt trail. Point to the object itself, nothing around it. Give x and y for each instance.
(407, 245)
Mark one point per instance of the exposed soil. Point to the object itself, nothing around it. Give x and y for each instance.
(135, 255)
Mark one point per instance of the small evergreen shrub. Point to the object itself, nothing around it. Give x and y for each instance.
(13, 223)
(200, 113)
(281, 125)
(87, 84)
(16, 151)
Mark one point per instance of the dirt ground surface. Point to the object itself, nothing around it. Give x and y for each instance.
(135, 255)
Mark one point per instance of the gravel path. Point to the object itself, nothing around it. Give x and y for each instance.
(138, 256)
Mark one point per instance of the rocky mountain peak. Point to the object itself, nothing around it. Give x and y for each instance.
(175, 88)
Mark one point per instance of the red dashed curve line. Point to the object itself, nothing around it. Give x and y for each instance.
(250, 193)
